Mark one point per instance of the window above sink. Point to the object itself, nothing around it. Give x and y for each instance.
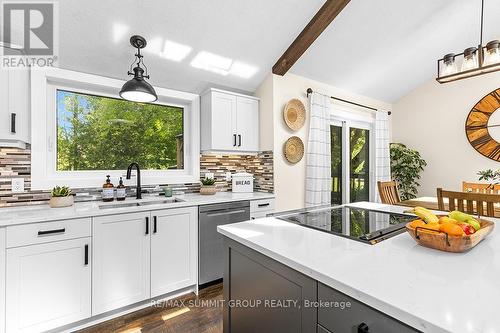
(82, 131)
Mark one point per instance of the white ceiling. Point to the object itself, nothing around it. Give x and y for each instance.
(385, 48)
(94, 36)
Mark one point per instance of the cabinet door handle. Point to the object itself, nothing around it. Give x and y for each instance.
(86, 254)
(50, 232)
(239, 140)
(363, 328)
(154, 224)
(13, 123)
(147, 225)
(263, 205)
(234, 136)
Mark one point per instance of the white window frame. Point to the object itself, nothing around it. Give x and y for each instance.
(346, 116)
(44, 84)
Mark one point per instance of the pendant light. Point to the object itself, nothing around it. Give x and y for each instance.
(475, 60)
(137, 89)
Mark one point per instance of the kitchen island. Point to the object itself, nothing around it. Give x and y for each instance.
(407, 287)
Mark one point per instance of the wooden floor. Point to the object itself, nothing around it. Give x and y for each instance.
(198, 314)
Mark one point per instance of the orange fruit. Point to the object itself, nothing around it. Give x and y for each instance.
(451, 229)
(417, 223)
(446, 219)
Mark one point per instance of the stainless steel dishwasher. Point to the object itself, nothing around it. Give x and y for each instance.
(210, 249)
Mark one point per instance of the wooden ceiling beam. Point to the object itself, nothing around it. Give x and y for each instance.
(313, 29)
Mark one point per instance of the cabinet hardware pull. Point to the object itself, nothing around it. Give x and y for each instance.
(363, 328)
(239, 140)
(86, 254)
(49, 232)
(234, 144)
(154, 225)
(147, 225)
(13, 123)
(263, 205)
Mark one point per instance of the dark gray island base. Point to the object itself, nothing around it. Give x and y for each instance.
(264, 296)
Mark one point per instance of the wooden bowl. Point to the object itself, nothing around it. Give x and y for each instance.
(441, 241)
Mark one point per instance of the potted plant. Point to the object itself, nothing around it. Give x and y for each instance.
(208, 186)
(406, 166)
(60, 196)
(492, 177)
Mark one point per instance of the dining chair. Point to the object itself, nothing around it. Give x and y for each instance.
(471, 203)
(388, 192)
(480, 188)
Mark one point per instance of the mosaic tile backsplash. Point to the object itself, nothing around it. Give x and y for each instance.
(16, 163)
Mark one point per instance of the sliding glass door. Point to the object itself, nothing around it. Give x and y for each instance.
(351, 161)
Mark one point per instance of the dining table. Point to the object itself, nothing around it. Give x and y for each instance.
(432, 204)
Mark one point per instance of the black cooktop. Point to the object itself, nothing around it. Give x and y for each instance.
(364, 225)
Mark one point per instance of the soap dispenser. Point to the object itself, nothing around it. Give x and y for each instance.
(121, 193)
(108, 190)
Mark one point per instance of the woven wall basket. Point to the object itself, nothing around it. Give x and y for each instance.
(294, 114)
(293, 149)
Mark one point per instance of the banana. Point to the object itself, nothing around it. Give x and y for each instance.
(424, 214)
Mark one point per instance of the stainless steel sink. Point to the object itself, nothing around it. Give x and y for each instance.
(144, 203)
(162, 202)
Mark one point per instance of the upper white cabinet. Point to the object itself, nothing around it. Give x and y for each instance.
(174, 243)
(15, 107)
(229, 122)
(121, 266)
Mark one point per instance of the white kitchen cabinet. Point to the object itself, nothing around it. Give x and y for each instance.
(229, 122)
(49, 285)
(260, 208)
(15, 107)
(174, 249)
(121, 261)
(2, 280)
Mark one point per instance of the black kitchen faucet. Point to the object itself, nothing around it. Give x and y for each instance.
(129, 173)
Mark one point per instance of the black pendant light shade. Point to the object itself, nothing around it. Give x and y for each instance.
(137, 89)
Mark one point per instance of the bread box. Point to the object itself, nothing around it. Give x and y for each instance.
(242, 182)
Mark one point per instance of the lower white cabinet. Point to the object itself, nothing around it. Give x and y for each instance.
(2, 280)
(48, 285)
(121, 261)
(174, 244)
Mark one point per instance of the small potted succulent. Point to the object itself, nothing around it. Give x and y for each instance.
(208, 186)
(60, 196)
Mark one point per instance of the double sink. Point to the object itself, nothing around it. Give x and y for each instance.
(139, 204)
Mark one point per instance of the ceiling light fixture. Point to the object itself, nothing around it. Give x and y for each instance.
(475, 61)
(137, 89)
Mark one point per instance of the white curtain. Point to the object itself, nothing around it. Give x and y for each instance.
(382, 153)
(318, 154)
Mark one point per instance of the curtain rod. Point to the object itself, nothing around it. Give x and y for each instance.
(310, 91)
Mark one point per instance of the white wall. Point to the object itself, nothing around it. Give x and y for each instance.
(289, 179)
(432, 118)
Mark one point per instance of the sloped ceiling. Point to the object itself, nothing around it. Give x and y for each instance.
(385, 48)
(94, 36)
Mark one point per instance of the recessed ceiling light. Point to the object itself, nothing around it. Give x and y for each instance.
(175, 51)
(212, 62)
(154, 46)
(243, 70)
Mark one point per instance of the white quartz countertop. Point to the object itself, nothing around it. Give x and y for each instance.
(43, 213)
(430, 290)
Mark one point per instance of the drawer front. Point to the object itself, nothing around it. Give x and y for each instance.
(38, 233)
(341, 318)
(264, 205)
